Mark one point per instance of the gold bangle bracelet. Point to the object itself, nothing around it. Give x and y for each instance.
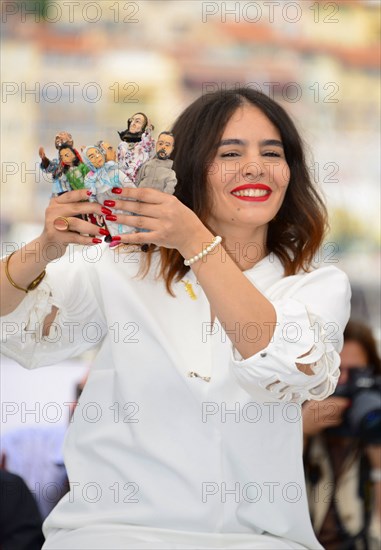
(32, 285)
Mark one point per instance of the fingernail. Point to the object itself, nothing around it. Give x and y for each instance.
(104, 232)
(111, 218)
(116, 238)
(116, 190)
(97, 241)
(106, 211)
(113, 243)
(88, 193)
(109, 203)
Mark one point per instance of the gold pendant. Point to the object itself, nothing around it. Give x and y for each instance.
(189, 289)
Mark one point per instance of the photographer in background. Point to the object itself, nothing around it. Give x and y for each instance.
(342, 452)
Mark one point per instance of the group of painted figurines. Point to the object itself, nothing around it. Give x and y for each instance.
(139, 161)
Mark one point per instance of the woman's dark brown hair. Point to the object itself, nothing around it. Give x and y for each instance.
(296, 233)
(356, 331)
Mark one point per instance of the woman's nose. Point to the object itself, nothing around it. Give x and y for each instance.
(253, 169)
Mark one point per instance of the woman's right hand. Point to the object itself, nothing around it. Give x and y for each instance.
(62, 227)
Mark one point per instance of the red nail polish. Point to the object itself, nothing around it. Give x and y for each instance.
(104, 232)
(116, 190)
(88, 193)
(109, 203)
(106, 211)
(116, 238)
(114, 243)
(111, 218)
(97, 241)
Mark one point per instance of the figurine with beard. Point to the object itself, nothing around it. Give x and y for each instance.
(137, 145)
(157, 173)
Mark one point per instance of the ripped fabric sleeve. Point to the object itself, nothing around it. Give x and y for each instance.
(77, 327)
(300, 337)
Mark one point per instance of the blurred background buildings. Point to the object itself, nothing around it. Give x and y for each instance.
(85, 67)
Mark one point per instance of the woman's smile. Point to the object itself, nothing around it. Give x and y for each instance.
(256, 193)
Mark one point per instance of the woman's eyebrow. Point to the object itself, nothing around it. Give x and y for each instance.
(274, 142)
(232, 142)
(265, 142)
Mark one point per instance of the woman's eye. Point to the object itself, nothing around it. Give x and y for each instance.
(271, 154)
(231, 154)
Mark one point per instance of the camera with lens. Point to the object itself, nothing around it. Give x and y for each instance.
(363, 417)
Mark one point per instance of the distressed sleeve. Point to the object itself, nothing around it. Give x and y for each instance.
(311, 318)
(79, 325)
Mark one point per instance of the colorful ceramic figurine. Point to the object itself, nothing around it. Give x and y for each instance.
(137, 145)
(52, 167)
(103, 176)
(157, 173)
(108, 150)
(73, 167)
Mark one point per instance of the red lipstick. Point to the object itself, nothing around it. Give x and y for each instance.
(260, 186)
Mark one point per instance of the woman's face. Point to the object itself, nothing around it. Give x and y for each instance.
(353, 355)
(249, 174)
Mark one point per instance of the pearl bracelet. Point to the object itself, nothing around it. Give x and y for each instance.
(216, 241)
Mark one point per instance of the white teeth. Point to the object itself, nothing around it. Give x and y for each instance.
(251, 193)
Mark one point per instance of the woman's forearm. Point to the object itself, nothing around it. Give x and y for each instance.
(30, 260)
(246, 315)
(24, 266)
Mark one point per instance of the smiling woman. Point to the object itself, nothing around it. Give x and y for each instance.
(209, 342)
(215, 141)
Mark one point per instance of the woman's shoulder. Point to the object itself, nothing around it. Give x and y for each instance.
(329, 275)
(326, 279)
(322, 281)
(270, 271)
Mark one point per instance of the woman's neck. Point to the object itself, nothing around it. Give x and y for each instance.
(244, 248)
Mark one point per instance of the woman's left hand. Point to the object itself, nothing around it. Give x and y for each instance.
(170, 223)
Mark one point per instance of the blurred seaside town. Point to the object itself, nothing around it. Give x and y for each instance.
(85, 67)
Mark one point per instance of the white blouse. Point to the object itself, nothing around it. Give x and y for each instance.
(176, 440)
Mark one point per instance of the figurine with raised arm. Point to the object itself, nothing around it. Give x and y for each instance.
(157, 173)
(108, 150)
(53, 167)
(101, 179)
(137, 145)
